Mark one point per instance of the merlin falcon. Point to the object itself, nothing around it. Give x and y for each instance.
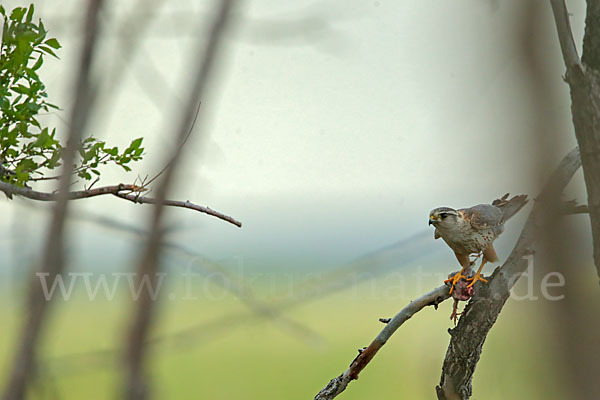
(473, 230)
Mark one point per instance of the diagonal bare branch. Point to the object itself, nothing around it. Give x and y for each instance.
(337, 385)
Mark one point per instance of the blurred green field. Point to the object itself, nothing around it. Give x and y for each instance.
(247, 357)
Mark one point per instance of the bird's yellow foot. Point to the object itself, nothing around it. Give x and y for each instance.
(475, 278)
(454, 279)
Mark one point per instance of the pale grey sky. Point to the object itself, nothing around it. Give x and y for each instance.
(334, 126)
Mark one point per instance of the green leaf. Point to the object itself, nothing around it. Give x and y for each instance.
(87, 156)
(29, 14)
(42, 29)
(26, 145)
(48, 50)
(20, 89)
(84, 175)
(136, 143)
(53, 43)
(54, 159)
(43, 140)
(38, 63)
(17, 14)
(112, 151)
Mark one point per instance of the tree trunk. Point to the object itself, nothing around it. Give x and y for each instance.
(584, 82)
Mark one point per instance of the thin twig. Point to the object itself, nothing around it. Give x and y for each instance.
(181, 144)
(175, 203)
(338, 385)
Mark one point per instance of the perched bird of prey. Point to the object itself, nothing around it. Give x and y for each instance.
(473, 231)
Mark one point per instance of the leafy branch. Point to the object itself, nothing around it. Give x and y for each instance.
(28, 150)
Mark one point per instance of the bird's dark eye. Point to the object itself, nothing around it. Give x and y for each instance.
(443, 215)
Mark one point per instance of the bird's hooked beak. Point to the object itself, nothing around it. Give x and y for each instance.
(432, 220)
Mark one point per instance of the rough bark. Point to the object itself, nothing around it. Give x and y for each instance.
(584, 84)
(585, 95)
(591, 39)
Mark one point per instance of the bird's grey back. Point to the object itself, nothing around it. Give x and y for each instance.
(484, 216)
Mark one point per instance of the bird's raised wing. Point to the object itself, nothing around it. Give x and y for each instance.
(483, 216)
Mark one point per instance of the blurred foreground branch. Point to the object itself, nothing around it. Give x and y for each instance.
(149, 265)
(52, 263)
(360, 271)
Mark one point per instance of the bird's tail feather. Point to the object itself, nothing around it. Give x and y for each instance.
(510, 206)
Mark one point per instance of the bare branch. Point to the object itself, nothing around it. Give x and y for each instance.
(10, 190)
(565, 35)
(122, 190)
(339, 384)
(184, 204)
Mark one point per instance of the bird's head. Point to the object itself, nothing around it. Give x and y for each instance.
(443, 217)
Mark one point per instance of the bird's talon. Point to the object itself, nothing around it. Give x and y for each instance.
(475, 278)
(454, 279)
